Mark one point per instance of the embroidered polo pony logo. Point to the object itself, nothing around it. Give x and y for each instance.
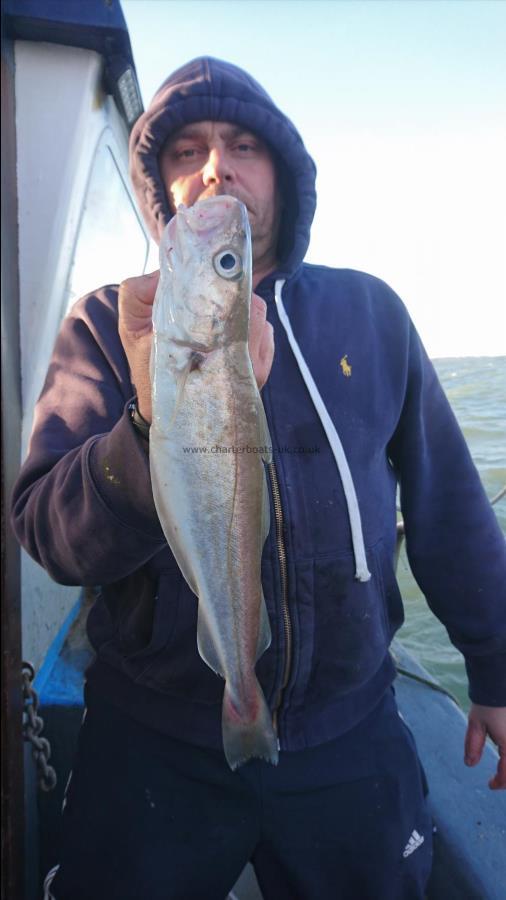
(345, 366)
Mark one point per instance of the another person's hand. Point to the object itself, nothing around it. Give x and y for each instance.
(135, 306)
(483, 721)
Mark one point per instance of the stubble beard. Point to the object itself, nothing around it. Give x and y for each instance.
(264, 240)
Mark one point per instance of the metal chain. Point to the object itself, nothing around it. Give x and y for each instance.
(32, 728)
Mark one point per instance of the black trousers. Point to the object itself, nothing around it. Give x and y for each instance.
(147, 817)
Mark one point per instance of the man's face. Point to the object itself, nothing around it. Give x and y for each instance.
(207, 159)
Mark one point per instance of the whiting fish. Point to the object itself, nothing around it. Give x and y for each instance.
(209, 441)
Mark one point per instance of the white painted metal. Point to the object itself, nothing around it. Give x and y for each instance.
(63, 119)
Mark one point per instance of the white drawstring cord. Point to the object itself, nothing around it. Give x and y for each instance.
(48, 880)
(361, 571)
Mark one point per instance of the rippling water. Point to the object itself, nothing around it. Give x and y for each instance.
(476, 389)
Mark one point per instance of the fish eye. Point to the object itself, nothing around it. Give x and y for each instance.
(228, 264)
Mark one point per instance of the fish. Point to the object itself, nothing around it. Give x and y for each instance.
(209, 444)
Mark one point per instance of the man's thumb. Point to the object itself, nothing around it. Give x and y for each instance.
(140, 289)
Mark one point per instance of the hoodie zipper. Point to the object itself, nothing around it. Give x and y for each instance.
(278, 513)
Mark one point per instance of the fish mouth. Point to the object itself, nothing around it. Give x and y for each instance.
(209, 213)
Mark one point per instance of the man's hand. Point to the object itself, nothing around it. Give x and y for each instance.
(483, 721)
(261, 340)
(135, 306)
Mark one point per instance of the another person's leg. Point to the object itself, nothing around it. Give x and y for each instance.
(348, 819)
(152, 818)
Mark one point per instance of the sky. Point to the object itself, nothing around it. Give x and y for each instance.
(402, 104)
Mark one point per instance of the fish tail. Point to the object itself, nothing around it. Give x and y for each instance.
(247, 727)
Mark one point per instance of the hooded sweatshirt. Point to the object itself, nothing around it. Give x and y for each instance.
(354, 409)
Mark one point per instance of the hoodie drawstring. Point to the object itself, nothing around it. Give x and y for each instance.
(361, 571)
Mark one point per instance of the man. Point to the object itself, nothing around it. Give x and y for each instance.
(153, 811)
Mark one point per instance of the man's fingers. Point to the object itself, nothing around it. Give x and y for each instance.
(258, 314)
(498, 782)
(474, 742)
(265, 355)
(258, 303)
(266, 348)
(487, 721)
(260, 340)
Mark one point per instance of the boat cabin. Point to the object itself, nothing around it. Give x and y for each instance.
(70, 223)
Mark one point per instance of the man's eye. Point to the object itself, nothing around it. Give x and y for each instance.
(186, 153)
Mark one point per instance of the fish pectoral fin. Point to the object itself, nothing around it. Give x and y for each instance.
(180, 386)
(263, 432)
(206, 644)
(169, 367)
(264, 630)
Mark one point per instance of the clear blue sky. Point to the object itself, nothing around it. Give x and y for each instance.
(402, 103)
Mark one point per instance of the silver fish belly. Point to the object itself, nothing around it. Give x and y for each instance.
(208, 443)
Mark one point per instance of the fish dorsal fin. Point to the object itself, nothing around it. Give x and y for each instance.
(266, 511)
(263, 432)
(264, 630)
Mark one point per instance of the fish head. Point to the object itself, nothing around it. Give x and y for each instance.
(206, 253)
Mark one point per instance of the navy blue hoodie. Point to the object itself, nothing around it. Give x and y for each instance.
(83, 506)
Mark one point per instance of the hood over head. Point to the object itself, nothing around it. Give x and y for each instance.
(210, 89)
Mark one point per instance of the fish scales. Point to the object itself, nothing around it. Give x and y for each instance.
(208, 443)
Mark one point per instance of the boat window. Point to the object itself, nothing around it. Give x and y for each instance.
(111, 244)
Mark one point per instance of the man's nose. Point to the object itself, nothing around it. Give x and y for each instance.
(218, 168)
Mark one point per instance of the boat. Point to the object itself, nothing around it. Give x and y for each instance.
(69, 99)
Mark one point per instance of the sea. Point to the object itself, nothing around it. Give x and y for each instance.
(476, 389)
